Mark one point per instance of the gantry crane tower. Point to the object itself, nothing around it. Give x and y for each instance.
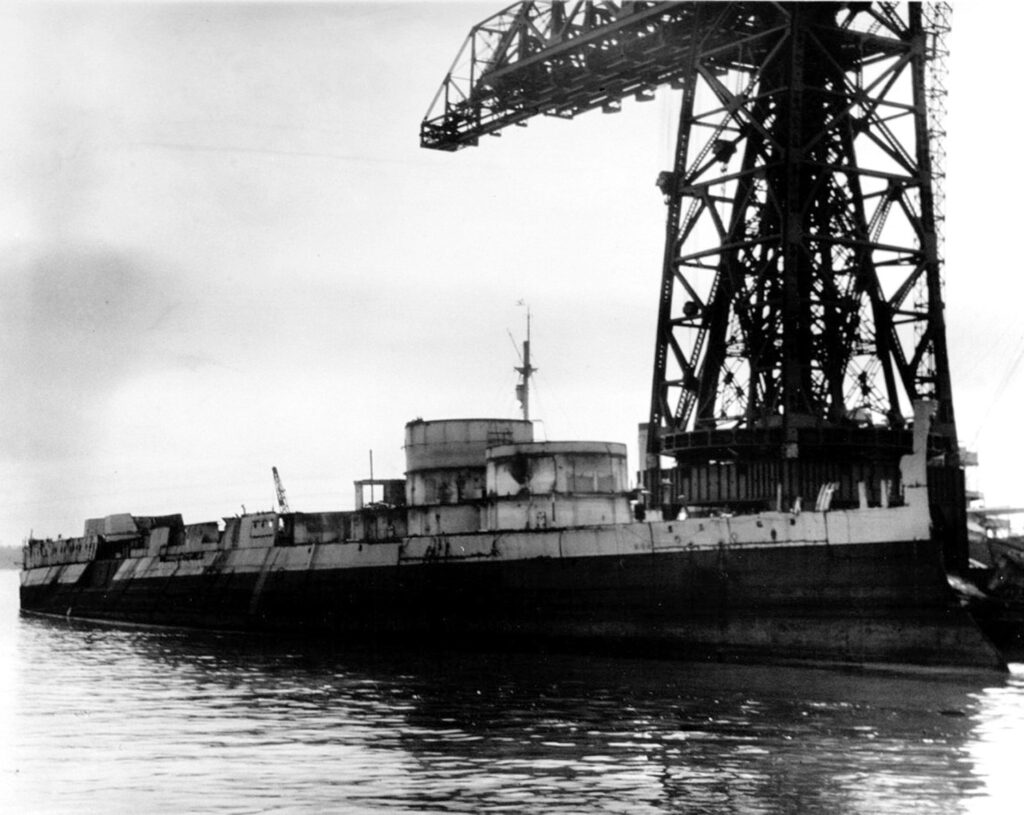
(800, 313)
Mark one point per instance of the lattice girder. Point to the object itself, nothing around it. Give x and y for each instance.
(561, 59)
(800, 286)
(800, 283)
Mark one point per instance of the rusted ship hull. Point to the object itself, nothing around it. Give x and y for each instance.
(493, 537)
(884, 602)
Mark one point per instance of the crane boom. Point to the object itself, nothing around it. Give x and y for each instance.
(543, 58)
(282, 498)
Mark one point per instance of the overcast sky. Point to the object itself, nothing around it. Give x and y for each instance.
(222, 250)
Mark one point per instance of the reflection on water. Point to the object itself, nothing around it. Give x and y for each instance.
(158, 721)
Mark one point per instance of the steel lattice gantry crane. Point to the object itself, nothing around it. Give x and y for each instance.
(800, 313)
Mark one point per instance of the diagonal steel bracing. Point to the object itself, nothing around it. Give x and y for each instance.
(800, 284)
(800, 312)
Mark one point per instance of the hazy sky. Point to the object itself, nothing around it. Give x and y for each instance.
(222, 249)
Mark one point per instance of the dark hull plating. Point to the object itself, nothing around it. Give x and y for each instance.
(870, 603)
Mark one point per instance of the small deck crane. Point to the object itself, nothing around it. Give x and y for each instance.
(282, 499)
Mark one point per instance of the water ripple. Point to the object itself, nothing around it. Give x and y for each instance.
(115, 720)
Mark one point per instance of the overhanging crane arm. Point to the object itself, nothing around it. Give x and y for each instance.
(560, 59)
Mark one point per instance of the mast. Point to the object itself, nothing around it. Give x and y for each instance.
(525, 371)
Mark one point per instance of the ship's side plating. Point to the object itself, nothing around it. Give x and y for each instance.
(503, 537)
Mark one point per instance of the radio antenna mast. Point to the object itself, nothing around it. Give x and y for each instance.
(526, 370)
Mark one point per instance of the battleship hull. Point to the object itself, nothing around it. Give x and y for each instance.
(636, 587)
(493, 539)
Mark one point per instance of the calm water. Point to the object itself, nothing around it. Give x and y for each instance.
(97, 719)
